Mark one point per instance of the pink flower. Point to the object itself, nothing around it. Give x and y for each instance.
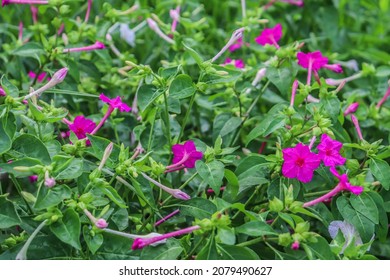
(355, 122)
(270, 36)
(295, 245)
(185, 155)
(40, 77)
(140, 243)
(236, 45)
(81, 126)
(33, 178)
(7, 2)
(300, 163)
(334, 67)
(293, 92)
(238, 63)
(329, 151)
(50, 182)
(2, 92)
(97, 46)
(101, 223)
(115, 103)
(351, 109)
(344, 183)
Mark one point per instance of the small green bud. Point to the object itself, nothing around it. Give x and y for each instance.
(284, 239)
(302, 227)
(276, 205)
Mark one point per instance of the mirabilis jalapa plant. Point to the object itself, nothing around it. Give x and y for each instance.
(127, 142)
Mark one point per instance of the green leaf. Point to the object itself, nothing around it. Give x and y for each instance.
(212, 173)
(231, 252)
(364, 226)
(199, 208)
(99, 145)
(9, 88)
(381, 170)
(8, 215)
(282, 78)
(321, 249)
(94, 242)
(5, 143)
(29, 49)
(182, 87)
(48, 197)
(112, 194)
(232, 187)
(171, 250)
(366, 206)
(67, 229)
(209, 251)
(230, 126)
(121, 218)
(71, 169)
(383, 228)
(146, 95)
(231, 76)
(26, 162)
(256, 228)
(331, 106)
(199, 60)
(30, 146)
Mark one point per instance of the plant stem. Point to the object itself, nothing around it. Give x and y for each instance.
(186, 117)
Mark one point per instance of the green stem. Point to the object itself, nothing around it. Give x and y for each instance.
(167, 122)
(186, 116)
(249, 199)
(251, 242)
(273, 249)
(246, 115)
(195, 247)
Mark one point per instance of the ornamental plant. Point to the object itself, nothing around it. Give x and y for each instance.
(194, 129)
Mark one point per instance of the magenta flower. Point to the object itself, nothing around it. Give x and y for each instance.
(140, 243)
(7, 2)
(34, 13)
(185, 155)
(270, 36)
(115, 103)
(300, 163)
(39, 78)
(2, 92)
(33, 178)
(329, 151)
(384, 98)
(314, 61)
(236, 45)
(295, 245)
(351, 109)
(81, 126)
(238, 63)
(344, 184)
(97, 46)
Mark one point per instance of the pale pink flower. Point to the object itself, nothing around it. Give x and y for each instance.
(101, 223)
(50, 182)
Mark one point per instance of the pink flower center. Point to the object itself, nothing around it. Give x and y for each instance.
(328, 152)
(300, 161)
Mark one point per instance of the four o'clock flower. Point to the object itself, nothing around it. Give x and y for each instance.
(349, 232)
(2, 92)
(329, 151)
(34, 13)
(99, 223)
(167, 217)
(300, 163)
(175, 15)
(33, 178)
(39, 77)
(351, 109)
(236, 45)
(115, 103)
(7, 2)
(184, 155)
(97, 46)
(343, 185)
(238, 63)
(270, 36)
(336, 82)
(293, 92)
(89, 7)
(174, 192)
(154, 26)
(57, 78)
(384, 98)
(357, 126)
(140, 243)
(237, 34)
(81, 126)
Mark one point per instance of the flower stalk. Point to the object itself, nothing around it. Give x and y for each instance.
(22, 255)
(97, 46)
(237, 34)
(174, 192)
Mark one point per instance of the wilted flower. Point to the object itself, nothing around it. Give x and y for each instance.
(115, 103)
(348, 230)
(127, 34)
